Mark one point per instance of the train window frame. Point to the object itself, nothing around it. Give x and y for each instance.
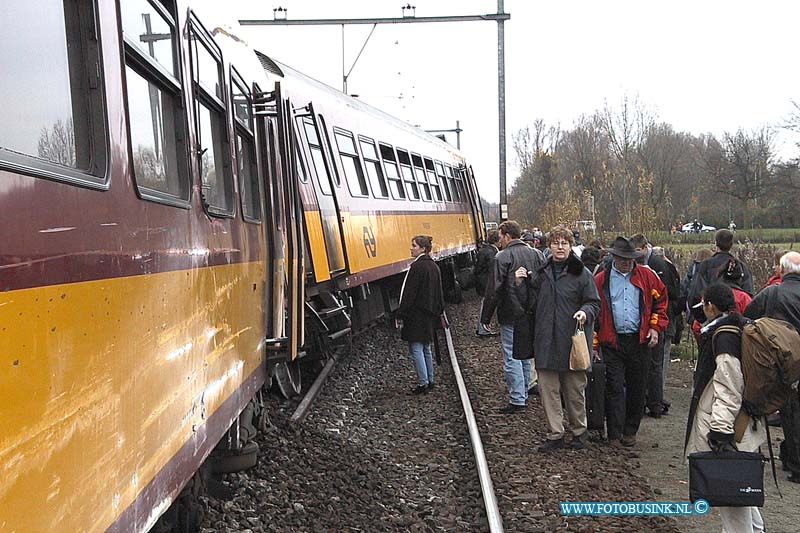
(461, 177)
(414, 196)
(383, 187)
(354, 158)
(337, 179)
(172, 84)
(431, 173)
(87, 102)
(419, 172)
(443, 180)
(215, 104)
(451, 177)
(324, 186)
(244, 140)
(397, 182)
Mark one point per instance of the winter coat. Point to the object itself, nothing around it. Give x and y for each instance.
(484, 267)
(504, 292)
(421, 300)
(778, 301)
(668, 275)
(556, 300)
(711, 270)
(652, 304)
(717, 398)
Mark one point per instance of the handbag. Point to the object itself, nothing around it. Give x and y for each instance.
(579, 357)
(727, 479)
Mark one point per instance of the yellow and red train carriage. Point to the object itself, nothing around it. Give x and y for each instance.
(174, 207)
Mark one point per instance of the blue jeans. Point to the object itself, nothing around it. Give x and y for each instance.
(420, 353)
(516, 372)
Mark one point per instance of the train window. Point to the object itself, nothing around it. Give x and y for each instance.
(451, 179)
(443, 180)
(373, 166)
(462, 190)
(390, 166)
(317, 158)
(240, 99)
(245, 150)
(156, 119)
(435, 190)
(336, 179)
(408, 174)
(419, 171)
(351, 164)
(212, 139)
(51, 103)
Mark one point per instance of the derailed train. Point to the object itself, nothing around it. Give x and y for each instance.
(183, 219)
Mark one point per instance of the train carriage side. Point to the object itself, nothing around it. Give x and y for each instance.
(384, 181)
(136, 279)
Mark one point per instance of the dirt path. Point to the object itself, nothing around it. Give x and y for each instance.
(661, 449)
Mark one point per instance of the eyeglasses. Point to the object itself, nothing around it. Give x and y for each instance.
(560, 244)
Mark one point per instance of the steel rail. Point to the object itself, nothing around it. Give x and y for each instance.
(487, 488)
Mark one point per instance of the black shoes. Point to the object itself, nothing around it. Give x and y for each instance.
(511, 409)
(654, 414)
(485, 334)
(533, 390)
(552, 445)
(579, 443)
(419, 389)
(431, 386)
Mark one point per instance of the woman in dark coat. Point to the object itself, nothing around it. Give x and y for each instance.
(421, 304)
(564, 295)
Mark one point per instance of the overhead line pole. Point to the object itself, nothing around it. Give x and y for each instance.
(501, 101)
(500, 17)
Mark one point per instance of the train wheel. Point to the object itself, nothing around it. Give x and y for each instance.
(287, 375)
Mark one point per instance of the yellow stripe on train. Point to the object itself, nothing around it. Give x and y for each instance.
(103, 381)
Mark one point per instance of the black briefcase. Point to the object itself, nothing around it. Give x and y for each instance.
(596, 396)
(727, 479)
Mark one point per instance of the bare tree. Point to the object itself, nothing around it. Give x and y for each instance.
(57, 144)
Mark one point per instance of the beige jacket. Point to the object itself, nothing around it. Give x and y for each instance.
(719, 404)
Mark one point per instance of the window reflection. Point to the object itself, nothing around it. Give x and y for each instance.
(146, 28)
(211, 171)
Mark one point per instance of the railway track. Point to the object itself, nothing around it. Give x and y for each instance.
(372, 457)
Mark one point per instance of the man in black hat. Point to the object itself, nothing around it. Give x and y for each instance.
(633, 313)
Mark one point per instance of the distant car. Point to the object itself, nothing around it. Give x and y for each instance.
(586, 225)
(689, 228)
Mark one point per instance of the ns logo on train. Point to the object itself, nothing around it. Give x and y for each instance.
(369, 241)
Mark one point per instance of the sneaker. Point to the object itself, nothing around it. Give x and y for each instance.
(431, 386)
(419, 390)
(489, 334)
(552, 445)
(628, 441)
(511, 408)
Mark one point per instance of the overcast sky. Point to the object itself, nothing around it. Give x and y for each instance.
(703, 66)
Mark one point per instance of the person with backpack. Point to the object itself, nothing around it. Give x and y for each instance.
(782, 301)
(505, 293)
(717, 396)
(722, 266)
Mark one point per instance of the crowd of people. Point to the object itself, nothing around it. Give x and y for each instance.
(632, 304)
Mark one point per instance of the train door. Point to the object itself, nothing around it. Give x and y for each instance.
(286, 296)
(468, 191)
(481, 229)
(321, 174)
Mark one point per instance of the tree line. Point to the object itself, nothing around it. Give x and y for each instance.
(638, 173)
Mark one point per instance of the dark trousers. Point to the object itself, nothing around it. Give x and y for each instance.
(626, 382)
(790, 447)
(655, 377)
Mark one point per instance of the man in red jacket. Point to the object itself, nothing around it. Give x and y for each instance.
(633, 313)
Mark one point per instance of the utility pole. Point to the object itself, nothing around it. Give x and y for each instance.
(501, 111)
(457, 130)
